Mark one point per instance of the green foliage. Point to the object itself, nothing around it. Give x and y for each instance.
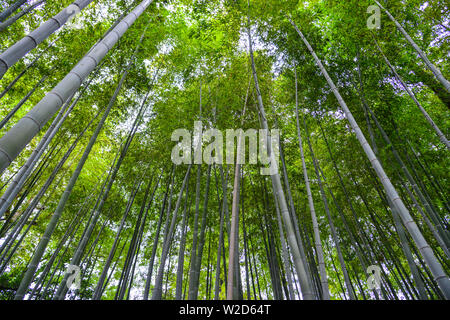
(192, 44)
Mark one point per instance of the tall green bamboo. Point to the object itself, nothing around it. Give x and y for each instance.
(437, 73)
(425, 249)
(438, 131)
(19, 15)
(292, 240)
(18, 50)
(157, 290)
(10, 10)
(317, 240)
(13, 142)
(28, 277)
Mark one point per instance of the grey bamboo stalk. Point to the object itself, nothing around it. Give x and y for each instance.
(191, 292)
(329, 251)
(31, 64)
(21, 102)
(133, 250)
(292, 240)
(256, 268)
(327, 211)
(221, 232)
(18, 50)
(11, 9)
(157, 290)
(13, 142)
(246, 254)
(234, 233)
(193, 253)
(427, 221)
(141, 232)
(285, 254)
(63, 288)
(317, 240)
(290, 294)
(411, 180)
(19, 15)
(426, 251)
(347, 280)
(168, 221)
(408, 254)
(294, 217)
(98, 289)
(234, 236)
(26, 170)
(268, 255)
(41, 192)
(115, 264)
(437, 73)
(201, 242)
(439, 133)
(353, 237)
(156, 239)
(181, 251)
(19, 179)
(119, 290)
(28, 277)
(209, 271)
(12, 217)
(75, 221)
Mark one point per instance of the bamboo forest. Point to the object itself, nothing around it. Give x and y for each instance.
(224, 150)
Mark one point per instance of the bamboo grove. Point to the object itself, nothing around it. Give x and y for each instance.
(91, 91)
